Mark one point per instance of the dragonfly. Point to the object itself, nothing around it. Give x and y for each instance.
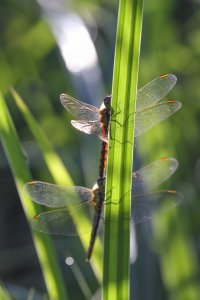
(68, 202)
(149, 111)
(91, 120)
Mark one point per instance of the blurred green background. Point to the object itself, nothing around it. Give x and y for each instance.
(37, 58)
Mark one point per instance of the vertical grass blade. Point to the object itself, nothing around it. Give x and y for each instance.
(44, 247)
(120, 159)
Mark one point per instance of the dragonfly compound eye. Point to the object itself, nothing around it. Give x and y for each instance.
(107, 102)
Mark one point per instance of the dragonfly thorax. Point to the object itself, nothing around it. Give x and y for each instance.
(101, 181)
(105, 114)
(99, 185)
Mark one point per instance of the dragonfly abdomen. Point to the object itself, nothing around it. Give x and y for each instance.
(99, 200)
(103, 159)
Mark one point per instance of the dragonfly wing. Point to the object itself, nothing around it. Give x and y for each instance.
(89, 127)
(152, 175)
(60, 221)
(151, 116)
(52, 195)
(78, 109)
(155, 90)
(144, 207)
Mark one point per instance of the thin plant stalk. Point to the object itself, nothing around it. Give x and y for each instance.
(116, 273)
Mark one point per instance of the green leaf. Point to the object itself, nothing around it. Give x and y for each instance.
(43, 244)
(120, 159)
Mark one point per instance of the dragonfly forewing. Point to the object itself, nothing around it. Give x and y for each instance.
(78, 109)
(52, 195)
(151, 176)
(151, 116)
(145, 199)
(155, 90)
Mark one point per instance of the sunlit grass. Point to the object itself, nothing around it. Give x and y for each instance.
(119, 170)
(18, 164)
(4, 295)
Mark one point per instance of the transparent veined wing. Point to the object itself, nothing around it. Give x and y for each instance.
(88, 116)
(89, 127)
(76, 200)
(61, 222)
(144, 206)
(145, 200)
(151, 116)
(80, 110)
(152, 175)
(53, 195)
(155, 90)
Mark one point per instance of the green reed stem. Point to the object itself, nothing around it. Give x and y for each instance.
(119, 169)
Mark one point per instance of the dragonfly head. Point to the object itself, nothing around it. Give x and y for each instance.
(107, 102)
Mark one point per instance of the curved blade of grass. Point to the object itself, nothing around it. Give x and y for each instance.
(119, 169)
(60, 175)
(4, 295)
(44, 247)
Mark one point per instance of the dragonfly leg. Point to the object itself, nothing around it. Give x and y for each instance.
(113, 115)
(121, 125)
(116, 202)
(126, 142)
